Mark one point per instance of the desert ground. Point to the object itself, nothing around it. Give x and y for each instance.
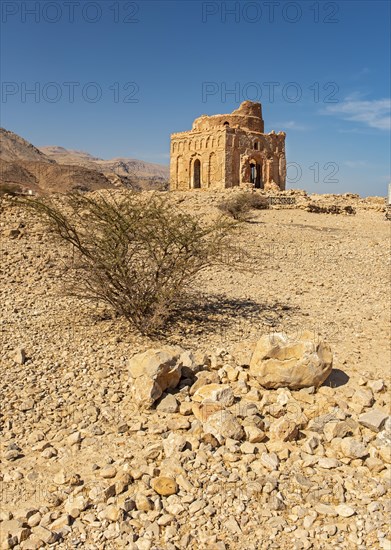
(80, 459)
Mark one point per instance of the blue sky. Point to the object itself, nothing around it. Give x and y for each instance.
(115, 78)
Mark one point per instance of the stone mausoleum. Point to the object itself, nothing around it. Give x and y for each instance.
(223, 151)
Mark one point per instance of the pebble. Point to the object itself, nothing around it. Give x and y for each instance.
(164, 486)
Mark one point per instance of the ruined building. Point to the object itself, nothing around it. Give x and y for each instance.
(222, 151)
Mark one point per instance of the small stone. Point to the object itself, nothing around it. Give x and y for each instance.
(328, 463)
(282, 361)
(74, 505)
(284, 429)
(344, 510)
(309, 520)
(143, 503)
(26, 405)
(74, 438)
(374, 420)
(112, 513)
(224, 424)
(164, 486)
(325, 509)
(153, 372)
(270, 461)
(13, 233)
(34, 520)
(385, 453)
(254, 434)
(20, 356)
(168, 404)
(215, 393)
(376, 385)
(353, 448)
(109, 472)
(45, 535)
(61, 522)
(335, 429)
(185, 408)
(49, 452)
(165, 519)
(12, 455)
(60, 478)
(363, 397)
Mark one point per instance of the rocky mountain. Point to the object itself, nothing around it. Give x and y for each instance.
(56, 169)
(120, 166)
(15, 148)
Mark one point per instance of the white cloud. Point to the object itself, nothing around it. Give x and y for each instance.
(288, 125)
(375, 113)
(357, 163)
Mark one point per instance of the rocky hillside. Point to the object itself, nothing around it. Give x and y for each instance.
(119, 166)
(260, 420)
(15, 148)
(54, 169)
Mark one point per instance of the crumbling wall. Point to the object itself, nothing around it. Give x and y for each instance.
(221, 151)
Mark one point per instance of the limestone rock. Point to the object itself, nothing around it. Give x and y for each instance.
(353, 448)
(215, 393)
(164, 486)
(224, 424)
(154, 371)
(20, 356)
(168, 404)
(284, 429)
(335, 429)
(278, 361)
(254, 434)
(374, 420)
(47, 536)
(203, 411)
(344, 510)
(270, 461)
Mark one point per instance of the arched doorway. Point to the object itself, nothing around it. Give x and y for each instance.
(197, 174)
(256, 174)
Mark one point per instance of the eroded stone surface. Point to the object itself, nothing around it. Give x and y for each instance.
(231, 150)
(282, 361)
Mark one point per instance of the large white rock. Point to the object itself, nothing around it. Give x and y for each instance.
(280, 361)
(154, 371)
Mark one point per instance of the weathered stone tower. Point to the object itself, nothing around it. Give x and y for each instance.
(223, 151)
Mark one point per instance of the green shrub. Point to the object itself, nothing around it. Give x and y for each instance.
(138, 256)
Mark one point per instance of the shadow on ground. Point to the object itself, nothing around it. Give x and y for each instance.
(226, 318)
(336, 379)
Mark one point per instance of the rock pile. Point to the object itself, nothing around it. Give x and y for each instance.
(220, 461)
(209, 458)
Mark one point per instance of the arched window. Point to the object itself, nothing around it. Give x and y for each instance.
(256, 145)
(226, 124)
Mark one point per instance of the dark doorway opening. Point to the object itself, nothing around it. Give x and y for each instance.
(197, 174)
(256, 175)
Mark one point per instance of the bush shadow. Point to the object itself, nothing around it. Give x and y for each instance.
(230, 319)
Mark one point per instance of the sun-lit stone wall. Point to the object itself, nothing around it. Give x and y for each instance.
(223, 151)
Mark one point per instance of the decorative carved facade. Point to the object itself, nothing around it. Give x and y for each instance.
(223, 151)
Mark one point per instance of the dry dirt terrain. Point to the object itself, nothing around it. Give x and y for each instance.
(83, 466)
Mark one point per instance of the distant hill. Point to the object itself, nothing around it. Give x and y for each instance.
(14, 148)
(119, 166)
(56, 169)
